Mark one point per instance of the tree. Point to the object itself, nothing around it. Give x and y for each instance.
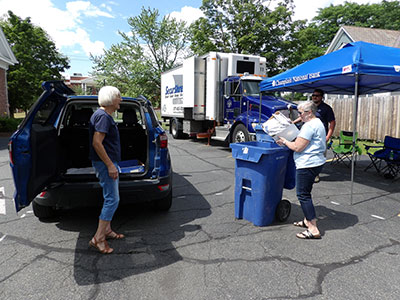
(246, 26)
(314, 39)
(152, 47)
(38, 61)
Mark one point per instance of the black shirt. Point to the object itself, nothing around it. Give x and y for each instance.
(325, 114)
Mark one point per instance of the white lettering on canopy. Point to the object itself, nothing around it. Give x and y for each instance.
(300, 78)
(296, 79)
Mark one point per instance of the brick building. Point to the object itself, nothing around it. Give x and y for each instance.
(82, 84)
(7, 59)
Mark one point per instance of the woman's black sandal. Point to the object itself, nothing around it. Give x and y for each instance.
(307, 235)
(300, 224)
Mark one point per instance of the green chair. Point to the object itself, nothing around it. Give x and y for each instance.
(343, 151)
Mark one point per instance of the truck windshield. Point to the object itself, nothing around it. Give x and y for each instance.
(251, 88)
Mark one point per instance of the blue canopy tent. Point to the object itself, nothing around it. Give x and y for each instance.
(358, 68)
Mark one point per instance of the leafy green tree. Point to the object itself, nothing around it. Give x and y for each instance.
(38, 61)
(314, 39)
(246, 26)
(152, 47)
(305, 44)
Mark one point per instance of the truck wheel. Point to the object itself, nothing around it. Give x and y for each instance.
(283, 210)
(163, 204)
(177, 134)
(240, 134)
(43, 212)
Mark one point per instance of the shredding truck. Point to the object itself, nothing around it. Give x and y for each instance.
(218, 95)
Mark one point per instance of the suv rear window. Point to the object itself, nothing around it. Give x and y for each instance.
(154, 119)
(45, 111)
(78, 114)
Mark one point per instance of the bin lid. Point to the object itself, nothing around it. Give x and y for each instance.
(253, 151)
(261, 135)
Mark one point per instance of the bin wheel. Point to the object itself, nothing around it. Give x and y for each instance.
(283, 210)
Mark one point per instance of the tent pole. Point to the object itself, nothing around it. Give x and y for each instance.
(259, 117)
(355, 109)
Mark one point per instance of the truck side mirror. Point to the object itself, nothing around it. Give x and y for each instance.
(227, 89)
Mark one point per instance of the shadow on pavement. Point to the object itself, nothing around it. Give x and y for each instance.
(4, 138)
(150, 236)
(328, 219)
(370, 178)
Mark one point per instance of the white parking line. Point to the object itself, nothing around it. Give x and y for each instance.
(378, 217)
(23, 216)
(336, 203)
(219, 194)
(2, 201)
(3, 237)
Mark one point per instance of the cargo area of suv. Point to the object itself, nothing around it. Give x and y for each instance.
(74, 137)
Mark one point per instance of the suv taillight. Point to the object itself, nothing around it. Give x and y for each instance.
(10, 152)
(163, 140)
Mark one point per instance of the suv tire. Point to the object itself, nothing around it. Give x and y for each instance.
(163, 204)
(43, 212)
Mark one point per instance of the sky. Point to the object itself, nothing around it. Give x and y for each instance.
(81, 28)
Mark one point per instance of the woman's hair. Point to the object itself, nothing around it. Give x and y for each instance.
(107, 94)
(308, 106)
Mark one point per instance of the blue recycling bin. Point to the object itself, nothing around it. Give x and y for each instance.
(290, 175)
(262, 170)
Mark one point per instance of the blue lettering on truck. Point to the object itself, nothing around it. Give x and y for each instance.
(174, 90)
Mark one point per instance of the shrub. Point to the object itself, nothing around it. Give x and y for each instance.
(9, 124)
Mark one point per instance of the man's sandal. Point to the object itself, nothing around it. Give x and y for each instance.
(95, 244)
(300, 224)
(114, 236)
(307, 235)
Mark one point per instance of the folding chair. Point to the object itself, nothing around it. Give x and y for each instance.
(387, 158)
(343, 151)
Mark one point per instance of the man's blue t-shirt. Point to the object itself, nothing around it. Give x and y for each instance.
(103, 122)
(325, 114)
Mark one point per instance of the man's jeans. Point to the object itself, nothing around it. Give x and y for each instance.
(304, 183)
(110, 190)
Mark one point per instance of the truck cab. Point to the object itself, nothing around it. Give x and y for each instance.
(241, 106)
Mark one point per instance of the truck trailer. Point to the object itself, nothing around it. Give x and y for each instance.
(218, 95)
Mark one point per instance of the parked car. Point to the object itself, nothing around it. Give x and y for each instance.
(49, 154)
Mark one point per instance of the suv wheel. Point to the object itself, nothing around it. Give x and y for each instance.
(43, 212)
(163, 204)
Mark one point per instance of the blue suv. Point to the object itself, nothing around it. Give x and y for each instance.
(49, 154)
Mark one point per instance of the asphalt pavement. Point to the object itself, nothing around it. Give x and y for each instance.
(198, 250)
